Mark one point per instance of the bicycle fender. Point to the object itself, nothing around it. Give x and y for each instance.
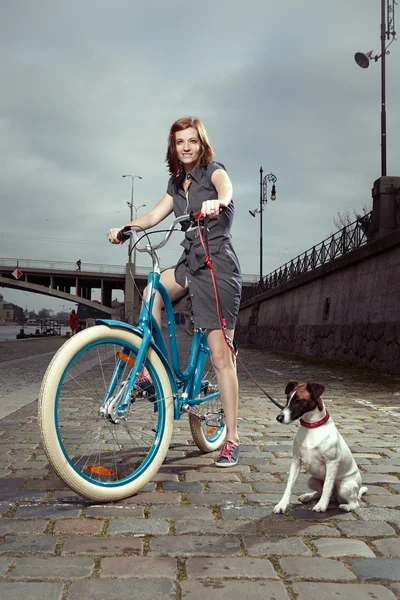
(139, 332)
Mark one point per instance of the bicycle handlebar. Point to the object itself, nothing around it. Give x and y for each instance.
(127, 231)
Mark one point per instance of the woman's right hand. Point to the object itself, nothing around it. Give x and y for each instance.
(112, 235)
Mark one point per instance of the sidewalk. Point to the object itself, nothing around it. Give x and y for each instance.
(199, 531)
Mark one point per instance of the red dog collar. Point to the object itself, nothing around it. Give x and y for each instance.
(315, 424)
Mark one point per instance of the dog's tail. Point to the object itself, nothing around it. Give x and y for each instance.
(362, 491)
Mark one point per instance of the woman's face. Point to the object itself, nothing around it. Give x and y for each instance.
(188, 147)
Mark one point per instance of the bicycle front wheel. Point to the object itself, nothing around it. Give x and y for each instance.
(99, 457)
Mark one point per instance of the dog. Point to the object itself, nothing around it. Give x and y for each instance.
(320, 448)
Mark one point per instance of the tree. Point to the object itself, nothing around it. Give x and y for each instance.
(44, 313)
(346, 218)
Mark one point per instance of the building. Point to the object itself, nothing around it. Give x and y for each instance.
(6, 311)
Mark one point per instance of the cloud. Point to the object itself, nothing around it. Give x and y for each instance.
(89, 91)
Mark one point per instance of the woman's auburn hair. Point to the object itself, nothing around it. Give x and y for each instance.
(206, 151)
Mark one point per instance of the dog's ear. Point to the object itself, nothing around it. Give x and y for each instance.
(316, 390)
(290, 387)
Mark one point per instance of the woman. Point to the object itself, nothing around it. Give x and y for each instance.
(198, 182)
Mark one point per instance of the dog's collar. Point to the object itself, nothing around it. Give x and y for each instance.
(315, 424)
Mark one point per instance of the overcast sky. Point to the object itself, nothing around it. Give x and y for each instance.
(90, 88)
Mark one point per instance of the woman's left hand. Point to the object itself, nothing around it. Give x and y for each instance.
(210, 208)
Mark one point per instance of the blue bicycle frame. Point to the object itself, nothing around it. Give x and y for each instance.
(189, 382)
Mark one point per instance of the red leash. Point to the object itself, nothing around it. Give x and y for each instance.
(222, 320)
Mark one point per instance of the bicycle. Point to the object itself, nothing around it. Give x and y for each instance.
(102, 433)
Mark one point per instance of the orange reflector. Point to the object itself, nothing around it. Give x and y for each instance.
(211, 430)
(97, 470)
(127, 359)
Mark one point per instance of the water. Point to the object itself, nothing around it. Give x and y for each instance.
(9, 332)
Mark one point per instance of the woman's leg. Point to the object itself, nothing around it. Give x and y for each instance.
(175, 292)
(225, 369)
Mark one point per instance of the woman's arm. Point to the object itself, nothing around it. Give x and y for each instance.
(223, 185)
(150, 219)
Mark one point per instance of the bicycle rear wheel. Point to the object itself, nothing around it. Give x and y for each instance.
(207, 420)
(100, 458)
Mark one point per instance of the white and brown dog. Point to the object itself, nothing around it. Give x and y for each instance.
(319, 447)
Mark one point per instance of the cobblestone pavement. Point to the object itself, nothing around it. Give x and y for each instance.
(198, 530)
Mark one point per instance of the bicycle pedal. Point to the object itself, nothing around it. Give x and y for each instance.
(215, 419)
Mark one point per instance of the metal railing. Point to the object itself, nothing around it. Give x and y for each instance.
(342, 242)
(26, 263)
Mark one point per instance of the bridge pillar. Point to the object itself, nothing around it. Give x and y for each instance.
(386, 206)
(132, 298)
(106, 293)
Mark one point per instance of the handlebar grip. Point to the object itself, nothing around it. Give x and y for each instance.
(124, 234)
(196, 214)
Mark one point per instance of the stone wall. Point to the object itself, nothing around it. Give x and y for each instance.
(348, 309)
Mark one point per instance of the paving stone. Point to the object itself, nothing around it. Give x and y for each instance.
(67, 497)
(45, 484)
(262, 477)
(161, 477)
(181, 512)
(383, 467)
(32, 591)
(215, 475)
(79, 526)
(383, 500)
(230, 568)
(235, 590)
(48, 511)
(375, 569)
(207, 499)
(341, 591)
(53, 567)
(311, 515)
(139, 567)
(191, 545)
(217, 527)
(375, 490)
(388, 546)
(15, 527)
(321, 569)
(229, 488)
(122, 589)
(138, 526)
(22, 496)
(299, 528)
(5, 562)
(250, 512)
(110, 511)
(102, 546)
(41, 544)
(154, 498)
(379, 478)
(290, 546)
(379, 514)
(364, 529)
(331, 547)
(183, 486)
(12, 484)
(264, 499)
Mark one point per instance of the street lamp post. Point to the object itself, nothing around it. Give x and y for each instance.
(131, 206)
(263, 201)
(363, 60)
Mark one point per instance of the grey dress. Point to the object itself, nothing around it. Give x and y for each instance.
(191, 265)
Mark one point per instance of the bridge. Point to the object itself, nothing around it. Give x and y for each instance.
(63, 280)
